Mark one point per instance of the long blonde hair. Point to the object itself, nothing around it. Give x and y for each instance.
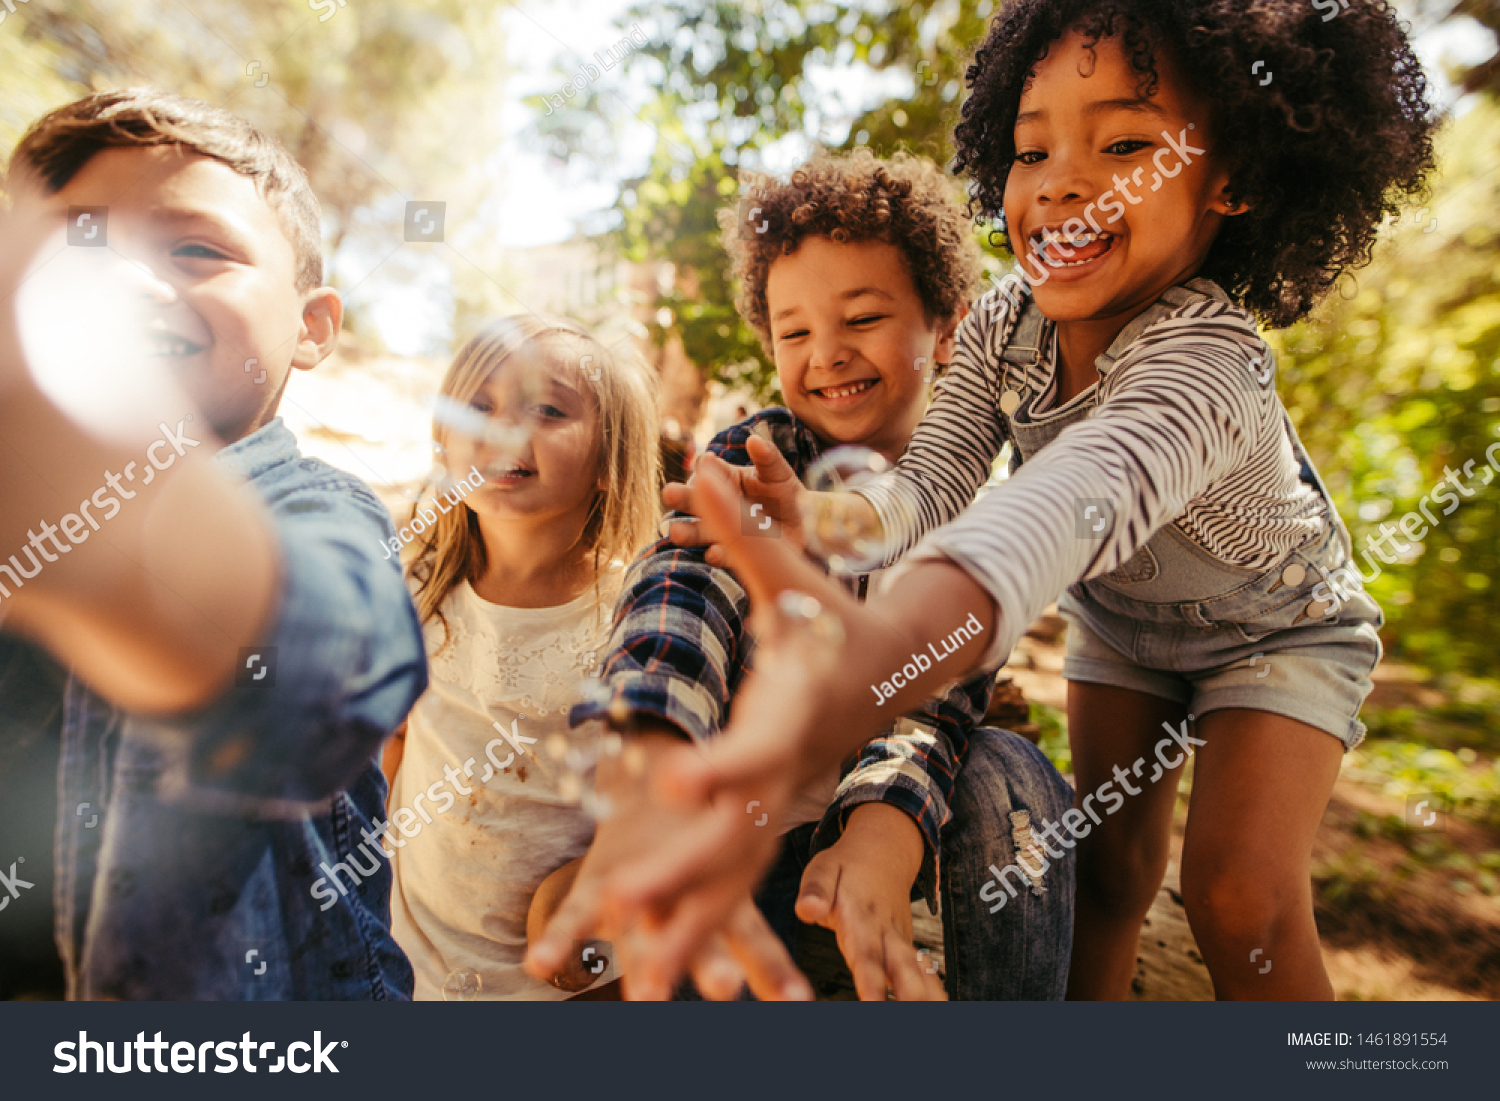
(624, 513)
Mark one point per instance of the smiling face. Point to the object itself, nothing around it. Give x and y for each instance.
(210, 259)
(1113, 197)
(852, 343)
(554, 476)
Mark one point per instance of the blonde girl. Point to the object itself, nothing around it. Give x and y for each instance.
(514, 582)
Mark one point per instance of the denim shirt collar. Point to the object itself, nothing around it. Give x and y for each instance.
(267, 447)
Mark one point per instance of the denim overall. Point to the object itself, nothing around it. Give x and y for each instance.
(1175, 608)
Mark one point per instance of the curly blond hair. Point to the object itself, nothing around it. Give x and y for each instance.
(903, 200)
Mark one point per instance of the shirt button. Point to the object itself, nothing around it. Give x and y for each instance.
(1318, 609)
(1293, 575)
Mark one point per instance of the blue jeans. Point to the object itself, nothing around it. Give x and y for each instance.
(1018, 952)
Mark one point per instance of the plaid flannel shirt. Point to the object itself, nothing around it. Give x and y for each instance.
(679, 651)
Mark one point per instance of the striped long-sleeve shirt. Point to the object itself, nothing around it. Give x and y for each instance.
(1186, 429)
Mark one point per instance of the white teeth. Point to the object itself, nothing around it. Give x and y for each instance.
(1044, 240)
(1075, 240)
(846, 391)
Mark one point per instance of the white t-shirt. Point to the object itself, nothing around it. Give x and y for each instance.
(489, 809)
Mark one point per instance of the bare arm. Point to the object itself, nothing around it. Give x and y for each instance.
(390, 756)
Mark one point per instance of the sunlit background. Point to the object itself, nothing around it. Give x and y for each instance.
(580, 150)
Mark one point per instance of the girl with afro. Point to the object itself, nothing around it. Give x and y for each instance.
(1168, 173)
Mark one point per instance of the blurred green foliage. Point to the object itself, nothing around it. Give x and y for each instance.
(379, 102)
(1391, 383)
(733, 80)
(1395, 381)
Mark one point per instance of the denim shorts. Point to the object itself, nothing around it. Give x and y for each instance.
(1273, 642)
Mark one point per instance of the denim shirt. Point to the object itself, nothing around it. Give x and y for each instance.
(189, 873)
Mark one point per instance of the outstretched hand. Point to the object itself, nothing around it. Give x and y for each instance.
(769, 490)
(708, 931)
(687, 853)
(861, 889)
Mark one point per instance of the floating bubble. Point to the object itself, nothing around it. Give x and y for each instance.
(462, 985)
(841, 527)
(799, 610)
(619, 712)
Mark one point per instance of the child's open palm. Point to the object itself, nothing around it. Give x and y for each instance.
(860, 888)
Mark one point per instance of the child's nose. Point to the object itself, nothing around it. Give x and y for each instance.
(1065, 181)
(829, 352)
(139, 279)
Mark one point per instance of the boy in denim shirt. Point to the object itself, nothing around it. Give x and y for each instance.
(237, 659)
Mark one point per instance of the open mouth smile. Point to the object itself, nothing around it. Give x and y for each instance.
(1059, 250)
(848, 390)
(506, 475)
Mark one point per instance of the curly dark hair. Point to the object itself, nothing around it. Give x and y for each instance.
(1339, 138)
(903, 200)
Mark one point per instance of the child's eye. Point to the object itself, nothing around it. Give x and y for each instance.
(551, 412)
(793, 335)
(1126, 146)
(198, 252)
(1031, 156)
(868, 319)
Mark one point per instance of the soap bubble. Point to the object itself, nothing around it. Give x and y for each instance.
(841, 528)
(462, 985)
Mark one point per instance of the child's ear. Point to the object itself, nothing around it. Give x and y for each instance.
(1223, 204)
(947, 336)
(322, 318)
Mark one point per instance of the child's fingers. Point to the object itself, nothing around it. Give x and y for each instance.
(771, 467)
(661, 955)
(861, 944)
(673, 866)
(903, 969)
(576, 920)
(772, 974)
(766, 567)
(716, 973)
(676, 496)
(820, 887)
(687, 533)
